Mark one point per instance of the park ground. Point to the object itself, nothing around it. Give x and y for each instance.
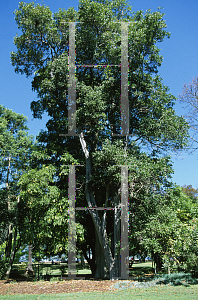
(61, 288)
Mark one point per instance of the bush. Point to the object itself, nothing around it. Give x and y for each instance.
(177, 279)
(172, 279)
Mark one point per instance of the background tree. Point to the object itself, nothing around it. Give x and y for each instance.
(189, 97)
(15, 151)
(41, 198)
(190, 191)
(170, 232)
(46, 223)
(33, 209)
(42, 52)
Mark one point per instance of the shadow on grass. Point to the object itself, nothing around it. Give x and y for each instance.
(47, 272)
(140, 270)
(141, 273)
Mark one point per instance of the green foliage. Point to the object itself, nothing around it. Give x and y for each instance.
(47, 211)
(15, 152)
(171, 230)
(42, 50)
(45, 225)
(3, 267)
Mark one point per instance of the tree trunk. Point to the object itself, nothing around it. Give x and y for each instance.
(12, 256)
(14, 247)
(101, 233)
(10, 227)
(102, 237)
(101, 271)
(9, 242)
(158, 262)
(116, 239)
(29, 269)
(82, 260)
(91, 262)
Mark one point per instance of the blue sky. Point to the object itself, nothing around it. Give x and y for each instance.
(180, 65)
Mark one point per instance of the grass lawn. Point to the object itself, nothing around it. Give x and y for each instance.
(139, 269)
(154, 293)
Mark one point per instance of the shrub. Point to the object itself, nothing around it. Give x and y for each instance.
(177, 279)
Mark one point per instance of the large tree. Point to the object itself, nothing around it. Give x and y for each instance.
(42, 53)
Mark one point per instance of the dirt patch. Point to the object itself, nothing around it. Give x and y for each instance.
(44, 287)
